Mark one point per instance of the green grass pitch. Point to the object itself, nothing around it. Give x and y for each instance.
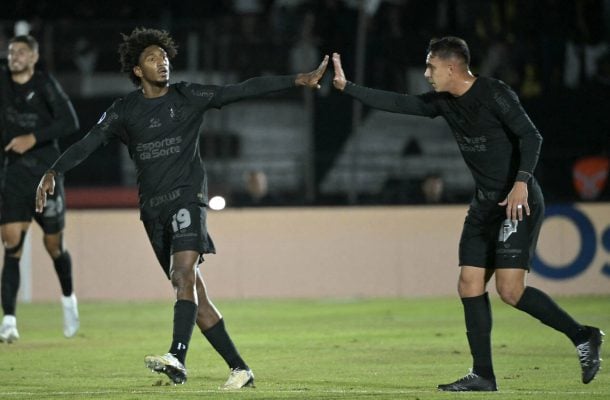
(298, 349)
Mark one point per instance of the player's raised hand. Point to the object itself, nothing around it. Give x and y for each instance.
(312, 79)
(339, 80)
(46, 185)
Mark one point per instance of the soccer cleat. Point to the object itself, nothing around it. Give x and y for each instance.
(71, 321)
(238, 379)
(470, 383)
(589, 354)
(169, 365)
(8, 329)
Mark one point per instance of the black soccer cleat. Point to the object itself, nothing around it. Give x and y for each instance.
(470, 383)
(589, 354)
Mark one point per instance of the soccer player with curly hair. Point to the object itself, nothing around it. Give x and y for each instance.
(159, 123)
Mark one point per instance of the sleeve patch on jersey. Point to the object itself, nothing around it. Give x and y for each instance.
(202, 93)
(502, 103)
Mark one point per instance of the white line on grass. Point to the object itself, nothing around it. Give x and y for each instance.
(286, 391)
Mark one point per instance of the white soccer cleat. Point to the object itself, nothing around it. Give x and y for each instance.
(8, 329)
(167, 364)
(238, 379)
(71, 321)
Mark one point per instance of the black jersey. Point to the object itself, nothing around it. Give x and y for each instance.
(41, 107)
(162, 136)
(498, 141)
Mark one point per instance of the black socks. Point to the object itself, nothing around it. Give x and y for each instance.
(477, 314)
(63, 267)
(185, 313)
(10, 284)
(540, 306)
(221, 342)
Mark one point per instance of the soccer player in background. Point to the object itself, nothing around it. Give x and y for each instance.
(35, 112)
(159, 124)
(500, 145)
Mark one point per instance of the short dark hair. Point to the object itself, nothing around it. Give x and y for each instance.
(27, 39)
(450, 46)
(134, 44)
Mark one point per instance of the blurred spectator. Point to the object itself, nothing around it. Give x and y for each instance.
(256, 185)
(586, 43)
(85, 56)
(256, 191)
(499, 63)
(433, 189)
(304, 54)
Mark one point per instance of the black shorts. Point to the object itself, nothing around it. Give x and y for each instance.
(18, 200)
(489, 240)
(185, 229)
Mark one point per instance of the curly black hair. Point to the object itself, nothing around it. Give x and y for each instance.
(134, 44)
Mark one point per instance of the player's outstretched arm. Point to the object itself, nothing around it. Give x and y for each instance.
(312, 79)
(262, 85)
(46, 186)
(380, 99)
(339, 80)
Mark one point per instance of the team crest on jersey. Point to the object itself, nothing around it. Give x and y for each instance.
(175, 113)
(154, 123)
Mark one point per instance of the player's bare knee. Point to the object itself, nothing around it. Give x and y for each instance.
(13, 248)
(183, 278)
(510, 295)
(470, 288)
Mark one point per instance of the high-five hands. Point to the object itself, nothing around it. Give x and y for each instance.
(339, 80)
(312, 79)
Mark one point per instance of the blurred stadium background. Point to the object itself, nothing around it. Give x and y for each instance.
(325, 149)
(308, 150)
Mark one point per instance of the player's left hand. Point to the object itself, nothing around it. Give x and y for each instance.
(21, 144)
(312, 79)
(516, 202)
(339, 80)
(46, 185)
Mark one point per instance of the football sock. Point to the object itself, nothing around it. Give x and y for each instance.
(63, 267)
(477, 314)
(221, 342)
(540, 306)
(10, 284)
(185, 313)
